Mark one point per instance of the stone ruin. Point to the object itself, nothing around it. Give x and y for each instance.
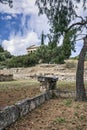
(6, 77)
(11, 114)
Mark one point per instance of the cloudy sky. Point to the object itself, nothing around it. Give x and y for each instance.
(21, 26)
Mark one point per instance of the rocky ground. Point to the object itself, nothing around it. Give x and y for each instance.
(56, 114)
(13, 91)
(65, 71)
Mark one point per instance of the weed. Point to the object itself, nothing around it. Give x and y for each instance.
(82, 117)
(59, 120)
(76, 114)
(70, 64)
(78, 106)
(68, 102)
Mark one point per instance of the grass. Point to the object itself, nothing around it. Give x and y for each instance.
(64, 113)
(67, 102)
(66, 85)
(59, 120)
(71, 64)
(13, 91)
(18, 84)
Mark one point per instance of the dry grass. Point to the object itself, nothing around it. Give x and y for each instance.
(11, 92)
(66, 85)
(56, 114)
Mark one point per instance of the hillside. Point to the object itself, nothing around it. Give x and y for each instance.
(65, 71)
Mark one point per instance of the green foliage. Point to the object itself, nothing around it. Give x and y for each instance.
(4, 54)
(42, 54)
(45, 54)
(76, 114)
(68, 102)
(69, 43)
(78, 106)
(60, 14)
(82, 117)
(42, 38)
(22, 61)
(59, 120)
(50, 54)
(1, 49)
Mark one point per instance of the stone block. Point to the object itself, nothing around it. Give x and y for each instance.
(47, 95)
(23, 107)
(32, 104)
(42, 98)
(8, 116)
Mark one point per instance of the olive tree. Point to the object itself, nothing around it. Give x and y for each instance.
(65, 21)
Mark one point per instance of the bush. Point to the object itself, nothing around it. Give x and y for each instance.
(22, 61)
(70, 64)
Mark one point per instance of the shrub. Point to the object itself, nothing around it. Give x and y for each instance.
(70, 64)
(59, 120)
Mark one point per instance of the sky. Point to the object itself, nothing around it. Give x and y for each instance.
(21, 27)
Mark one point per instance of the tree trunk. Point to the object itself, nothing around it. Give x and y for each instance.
(80, 89)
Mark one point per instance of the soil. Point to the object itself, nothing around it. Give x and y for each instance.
(10, 95)
(56, 114)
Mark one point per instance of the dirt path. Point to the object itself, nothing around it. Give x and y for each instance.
(56, 114)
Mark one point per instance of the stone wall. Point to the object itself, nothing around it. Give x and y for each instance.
(6, 77)
(10, 114)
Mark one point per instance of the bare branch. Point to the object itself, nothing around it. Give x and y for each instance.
(80, 17)
(7, 2)
(79, 39)
(78, 23)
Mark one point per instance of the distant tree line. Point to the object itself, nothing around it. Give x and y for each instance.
(50, 53)
(4, 54)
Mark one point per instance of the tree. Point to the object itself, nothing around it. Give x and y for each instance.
(1, 49)
(62, 15)
(80, 89)
(42, 38)
(68, 43)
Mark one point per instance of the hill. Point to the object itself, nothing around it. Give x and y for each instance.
(65, 71)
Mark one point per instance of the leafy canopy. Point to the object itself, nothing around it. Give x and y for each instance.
(60, 14)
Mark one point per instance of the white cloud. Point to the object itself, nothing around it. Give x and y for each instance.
(31, 34)
(39, 24)
(8, 17)
(17, 45)
(20, 6)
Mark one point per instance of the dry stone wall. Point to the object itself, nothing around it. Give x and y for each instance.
(10, 114)
(6, 77)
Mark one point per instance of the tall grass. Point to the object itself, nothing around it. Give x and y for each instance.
(66, 85)
(63, 85)
(18, 84)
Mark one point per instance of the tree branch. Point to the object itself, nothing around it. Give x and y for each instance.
(80, 17)
(78, 23)
(7, 2)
